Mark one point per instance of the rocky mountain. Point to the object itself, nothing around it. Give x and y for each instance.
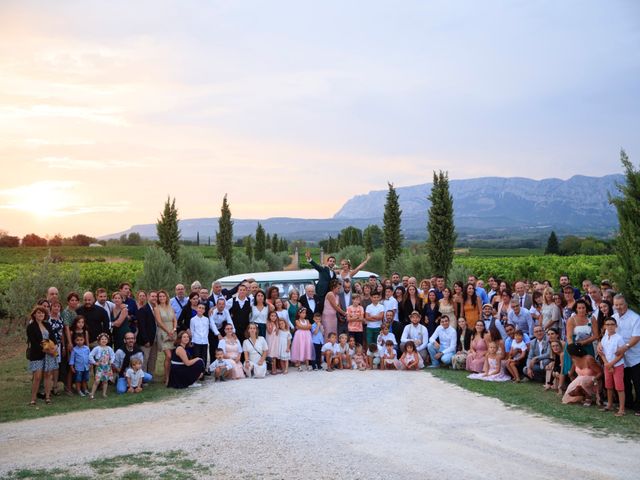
(489, 206)
(580, 203)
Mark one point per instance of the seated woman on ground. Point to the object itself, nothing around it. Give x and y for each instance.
(184, 371)
(589, 372)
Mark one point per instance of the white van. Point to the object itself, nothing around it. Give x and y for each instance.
(284, 280)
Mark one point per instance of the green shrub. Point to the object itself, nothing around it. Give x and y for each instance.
(159, 272)
(193, 266)
(32, 282)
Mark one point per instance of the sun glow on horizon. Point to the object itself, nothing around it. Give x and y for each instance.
(41, 199)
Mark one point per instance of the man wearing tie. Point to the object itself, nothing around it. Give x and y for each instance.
(524, 298)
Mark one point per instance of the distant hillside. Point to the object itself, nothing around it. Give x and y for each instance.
(489, 206)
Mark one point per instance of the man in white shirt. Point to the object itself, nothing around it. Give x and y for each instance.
(220, 314)
(442, 344)
(629, 328)
(417, 333)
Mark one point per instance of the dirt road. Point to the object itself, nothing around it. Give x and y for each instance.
(331, 425)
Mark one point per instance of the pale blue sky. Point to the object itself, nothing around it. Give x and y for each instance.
(349, 94)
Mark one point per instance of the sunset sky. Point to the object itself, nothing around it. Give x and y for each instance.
(293, 107)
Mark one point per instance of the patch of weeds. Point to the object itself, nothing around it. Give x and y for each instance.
(44, 474)
(173, 465)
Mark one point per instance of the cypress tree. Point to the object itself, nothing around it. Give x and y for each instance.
(274, 243)
(198, 239)
(261, 244)
(268, 241)
(224, 237)
(392, 228)
(553, 247)
(440, 228)
(627, 244)
(168, 231)
(367, 241)
(248, 246)
(284, 246)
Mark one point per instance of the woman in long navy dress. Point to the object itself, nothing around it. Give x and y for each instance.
(185, 371)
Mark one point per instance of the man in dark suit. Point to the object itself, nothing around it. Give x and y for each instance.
(310, 301)
(344, 298)
(524, 299)
(325, 275)
(147, 333)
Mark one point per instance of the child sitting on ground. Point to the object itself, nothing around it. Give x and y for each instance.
(134, 376)
(352, 350)
(342, 352)
(389, 357)
(410, 359)
(329, 352)
(221, 367)
(359, 358)
(373, 356)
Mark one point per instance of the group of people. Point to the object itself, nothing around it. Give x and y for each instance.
(568, 340)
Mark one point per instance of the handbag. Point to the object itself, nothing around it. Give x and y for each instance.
(49, 347)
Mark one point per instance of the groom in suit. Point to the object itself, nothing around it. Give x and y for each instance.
(325, 275)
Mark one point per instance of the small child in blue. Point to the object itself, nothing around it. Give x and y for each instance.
(79, 363)
(317, 338)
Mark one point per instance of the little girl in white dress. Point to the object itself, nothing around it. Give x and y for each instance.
(284, 345)
(493, 368)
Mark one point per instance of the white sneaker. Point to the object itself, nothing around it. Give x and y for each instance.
(194, 385)
(81, 393)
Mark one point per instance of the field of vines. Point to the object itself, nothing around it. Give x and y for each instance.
(109, 266)
(541, 267)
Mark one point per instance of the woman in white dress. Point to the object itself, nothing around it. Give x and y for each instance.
(346, 272)
(255, 353)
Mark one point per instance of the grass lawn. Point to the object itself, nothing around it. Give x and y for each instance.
(533, 398)
(174, 465)
(15, 393)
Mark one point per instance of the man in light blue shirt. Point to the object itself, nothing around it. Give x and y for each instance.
(520, 318)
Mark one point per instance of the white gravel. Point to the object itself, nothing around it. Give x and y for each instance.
(342, 424)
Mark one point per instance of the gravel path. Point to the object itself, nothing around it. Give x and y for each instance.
(331, 425)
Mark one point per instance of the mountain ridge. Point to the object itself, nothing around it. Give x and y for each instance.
(482, 206)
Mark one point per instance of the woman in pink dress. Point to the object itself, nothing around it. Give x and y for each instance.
(585, 385)
(332, 309)
(302, 347)
(232, 351)
(478, 350)
(494, 370)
